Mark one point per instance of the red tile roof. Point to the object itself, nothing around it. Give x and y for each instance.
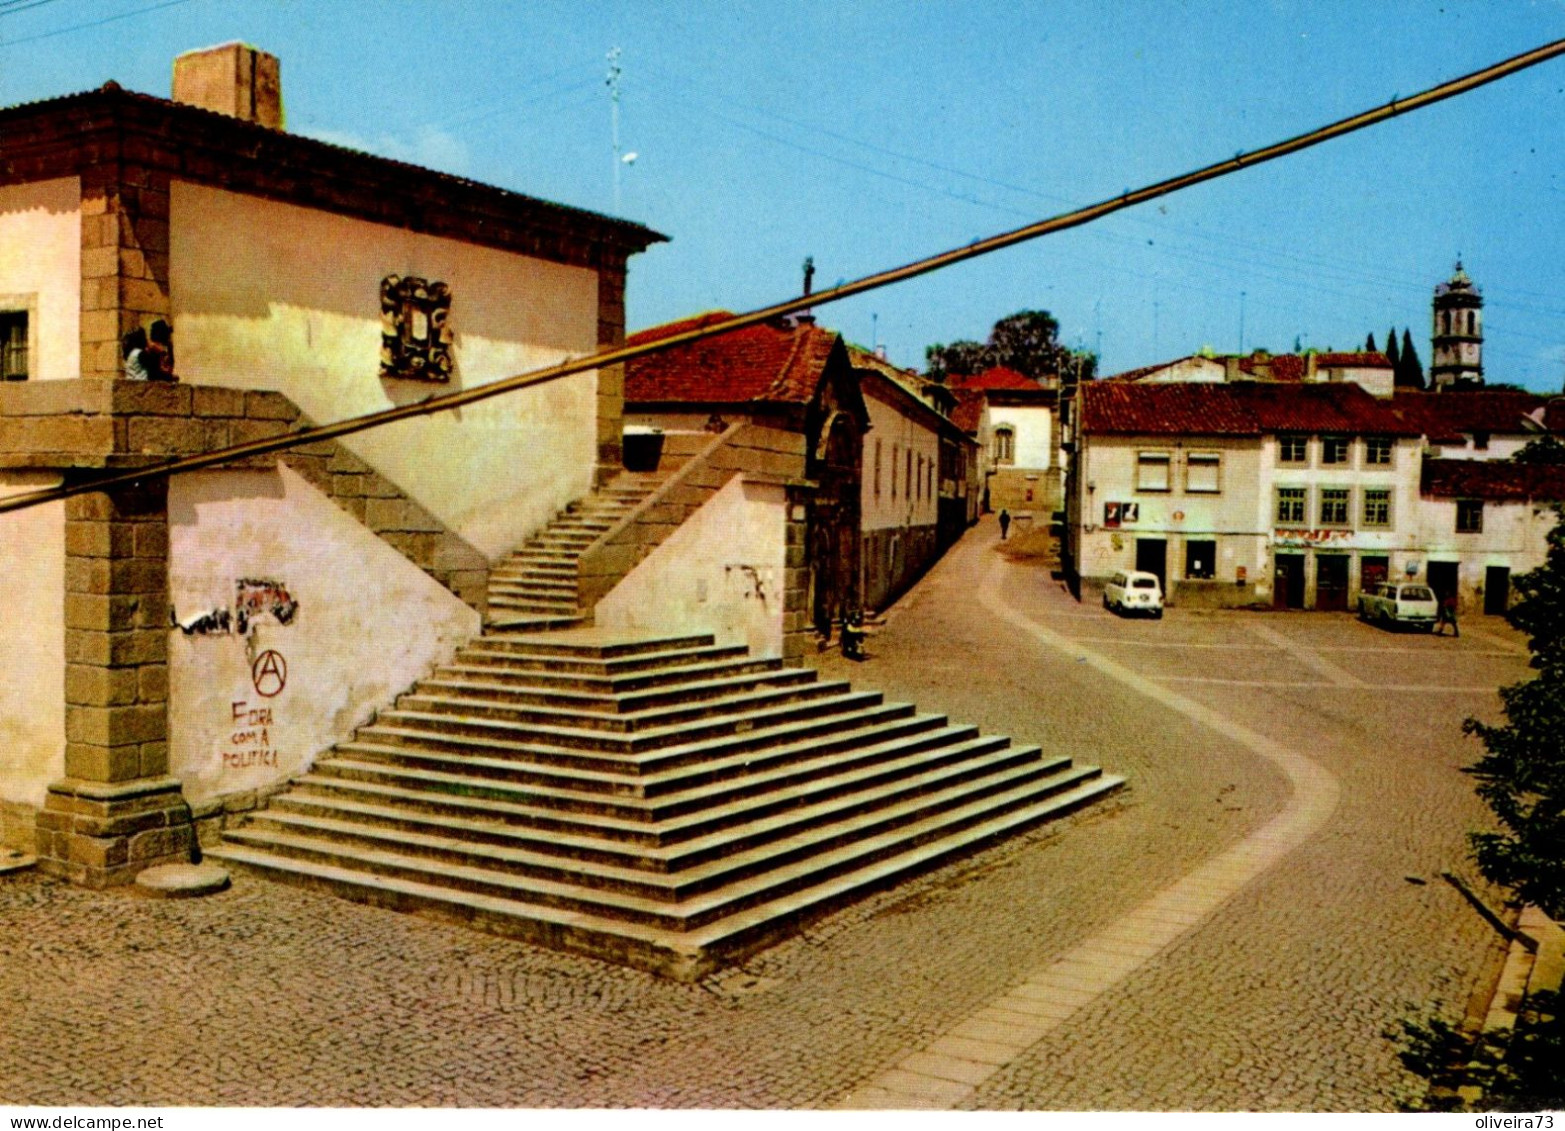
(997, 377)
(1241, 408)
(1498, 480)
(969, 410)
(773, 362)
(1276, 367)
(1446, 416)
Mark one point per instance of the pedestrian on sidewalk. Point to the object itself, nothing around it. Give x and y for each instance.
(1447, 616)
(1005, 523)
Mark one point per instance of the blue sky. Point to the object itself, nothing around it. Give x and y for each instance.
(868, 134)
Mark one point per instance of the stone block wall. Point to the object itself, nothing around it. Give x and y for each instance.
(751, 450)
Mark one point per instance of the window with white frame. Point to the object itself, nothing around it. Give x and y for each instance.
(1334, 506)
(1334, 449)
(1203, 473)
(1293, 449)
(1377, 506)
(1152, 471)
(1377, 450)
(1469, 516)
(1004, 444)
(1290, 505)
(877, 469)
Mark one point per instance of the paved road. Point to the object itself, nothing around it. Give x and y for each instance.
(1272, 997)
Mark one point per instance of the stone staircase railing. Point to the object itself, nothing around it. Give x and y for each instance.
(748, 449)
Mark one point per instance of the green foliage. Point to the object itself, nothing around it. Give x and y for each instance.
(1521, 777)
(1369, 344)
(1522, 1069)
(1391, 346)
(1027, 341)
(1409, 370)
(1544, 449)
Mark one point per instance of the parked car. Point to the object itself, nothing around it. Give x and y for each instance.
(1132, 591)
(1392, 603)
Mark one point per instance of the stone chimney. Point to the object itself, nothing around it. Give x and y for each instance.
(1231, 368)
(232, 79)
(1310, 373)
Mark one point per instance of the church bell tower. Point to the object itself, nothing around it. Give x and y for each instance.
(1458, 333)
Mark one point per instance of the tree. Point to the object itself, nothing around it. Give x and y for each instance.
(1521, 777)
(959, 359)
(1544, 449)
(1369, 344)
(1027, 341)
(1409, 370)
(1391, 346)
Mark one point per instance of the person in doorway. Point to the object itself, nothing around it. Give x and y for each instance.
(134, 351)
(1005, 523)
(1447, 616)
(160, 352)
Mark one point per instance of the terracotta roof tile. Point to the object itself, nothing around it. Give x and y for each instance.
(769, 362)
(1498, 480)
(1445, 417)
(997, 377)
(1241, 408)
(969, 411)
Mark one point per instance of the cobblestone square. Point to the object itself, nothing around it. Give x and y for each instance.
(1232, 932)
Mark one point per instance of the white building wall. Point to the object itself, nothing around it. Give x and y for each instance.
(32, 644)
(1034, 434)
(40, 271)
(896, 433)
(720, 572)
(368, 624)
(272, 296)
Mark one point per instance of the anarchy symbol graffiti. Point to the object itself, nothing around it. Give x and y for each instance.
(269, 673)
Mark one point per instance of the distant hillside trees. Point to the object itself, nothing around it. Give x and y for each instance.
(1027, 341)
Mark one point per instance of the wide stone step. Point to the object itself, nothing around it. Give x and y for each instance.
(676, 874)
(493, 652)
(683, 802)
(703, 908)
(607, 686)
(603, 645)
(534, 585)
(683, 955)
(670, 846)
(625, 721)
(643, 775)
(737, 722)
(543, 622)
(447, 684)
(533, 605)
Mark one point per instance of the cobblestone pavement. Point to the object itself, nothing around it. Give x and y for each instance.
(268, 995)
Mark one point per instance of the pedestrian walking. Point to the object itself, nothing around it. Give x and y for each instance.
(1447, 616)
(1005, 523)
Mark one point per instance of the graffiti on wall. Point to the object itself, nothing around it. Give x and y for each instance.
(250, 742)
(254, 598)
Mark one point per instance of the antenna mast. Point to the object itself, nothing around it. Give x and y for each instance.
(613, 84)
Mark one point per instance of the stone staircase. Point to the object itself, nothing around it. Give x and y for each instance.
(669, 803)
(536, 587)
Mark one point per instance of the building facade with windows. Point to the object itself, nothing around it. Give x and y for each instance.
(1019, 441)
(1238, 494)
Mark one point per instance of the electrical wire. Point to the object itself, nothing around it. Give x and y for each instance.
(919, 267)
(96, 23)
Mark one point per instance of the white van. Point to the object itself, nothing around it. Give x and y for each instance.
(1133, 591)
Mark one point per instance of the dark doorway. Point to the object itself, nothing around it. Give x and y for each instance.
(1496, 590)
(1442, 578)
(1201, 559)
(833, 546)
(1152, 557)
(1373, 571)
(1288, 593)
(1331, 582)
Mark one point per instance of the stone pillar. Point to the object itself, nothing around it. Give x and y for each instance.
(125, 213)
(611, 379)
(798, 631)
(116, 811)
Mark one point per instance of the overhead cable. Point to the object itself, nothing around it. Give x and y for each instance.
(621, 354)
